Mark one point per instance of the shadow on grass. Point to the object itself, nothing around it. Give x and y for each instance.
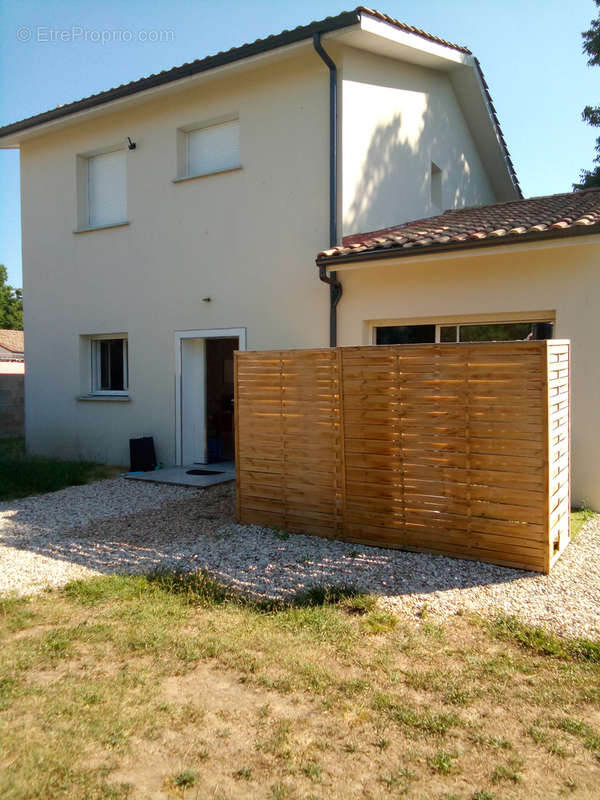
(204, 590)
(201, 589)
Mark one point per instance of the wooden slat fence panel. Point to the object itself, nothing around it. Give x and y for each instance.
(460, 449)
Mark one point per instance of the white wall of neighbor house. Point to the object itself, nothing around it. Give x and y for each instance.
(559, 281)
(246, 238)
(397, 119)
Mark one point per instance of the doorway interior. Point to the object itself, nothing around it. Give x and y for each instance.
(204, 395)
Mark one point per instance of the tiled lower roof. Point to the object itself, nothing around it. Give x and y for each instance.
(12, 340)
(518, 220)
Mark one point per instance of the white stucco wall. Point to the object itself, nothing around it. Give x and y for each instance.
(247, 239)
(562, 280)
(396, 119)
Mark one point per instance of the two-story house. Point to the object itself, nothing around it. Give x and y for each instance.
(171, 220)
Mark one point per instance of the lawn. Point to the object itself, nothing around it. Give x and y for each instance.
(166, 686)
(22, 475)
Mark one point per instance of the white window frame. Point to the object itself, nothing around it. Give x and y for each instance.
(183, 170)
(95, 365)
(467, 319)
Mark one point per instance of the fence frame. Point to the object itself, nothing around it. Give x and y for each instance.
(293, 426)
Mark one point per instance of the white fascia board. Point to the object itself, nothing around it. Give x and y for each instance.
(473, 100)
(411, 47)
(12, 141)
(474, 252)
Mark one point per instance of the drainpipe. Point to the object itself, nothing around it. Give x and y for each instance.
(335, 287)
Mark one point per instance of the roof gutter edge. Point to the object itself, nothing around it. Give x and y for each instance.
(415, 252)
(306, 32)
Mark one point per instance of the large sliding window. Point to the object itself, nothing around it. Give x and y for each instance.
(463, 332)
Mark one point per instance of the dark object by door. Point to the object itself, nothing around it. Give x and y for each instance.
(142, 455)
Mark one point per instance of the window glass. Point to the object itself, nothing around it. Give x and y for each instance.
(405, 334)
(109, 365)
(214, 148)
(448, 333)
(505, 331)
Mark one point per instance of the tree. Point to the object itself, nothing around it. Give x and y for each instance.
(591, 114)
(11, 304)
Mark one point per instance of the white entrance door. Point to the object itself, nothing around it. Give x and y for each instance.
(190, 390)
(193, 402)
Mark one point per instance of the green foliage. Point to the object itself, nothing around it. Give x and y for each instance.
(11, 304)
(22, 475)
(591, 114)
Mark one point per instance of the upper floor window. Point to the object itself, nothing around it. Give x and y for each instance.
(102, 189)
(209, 148)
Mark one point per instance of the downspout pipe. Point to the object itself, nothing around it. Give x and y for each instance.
(335, 287)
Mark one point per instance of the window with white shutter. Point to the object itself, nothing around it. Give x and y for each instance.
(214, 148)
(107, 188)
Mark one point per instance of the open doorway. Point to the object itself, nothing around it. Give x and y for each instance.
(219, 399)
(204, 395)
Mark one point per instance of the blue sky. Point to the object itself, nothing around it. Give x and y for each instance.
(530, 51)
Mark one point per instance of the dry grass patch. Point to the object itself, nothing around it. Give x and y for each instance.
(167, 686)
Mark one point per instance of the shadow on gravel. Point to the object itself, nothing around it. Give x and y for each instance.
(200, 533)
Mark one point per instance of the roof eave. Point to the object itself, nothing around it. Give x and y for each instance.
(332, 262)
(9, 133)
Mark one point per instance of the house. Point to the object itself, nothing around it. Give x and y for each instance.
(12, 384)
(523, 269)
(12, 352)
(187, 209)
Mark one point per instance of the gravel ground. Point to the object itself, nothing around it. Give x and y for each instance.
(126, 526)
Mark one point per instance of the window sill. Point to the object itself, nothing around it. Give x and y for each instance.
(107, 398)
(185, 178)
(102, 227)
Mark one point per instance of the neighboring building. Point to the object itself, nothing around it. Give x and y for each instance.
(12, 352)
(188, 207)
(12, 388)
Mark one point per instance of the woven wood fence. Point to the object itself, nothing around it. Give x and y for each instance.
(461, 449)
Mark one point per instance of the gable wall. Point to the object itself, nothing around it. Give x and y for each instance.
(397, 119)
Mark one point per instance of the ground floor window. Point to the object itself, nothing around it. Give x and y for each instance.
(463, 332)
(110, 368)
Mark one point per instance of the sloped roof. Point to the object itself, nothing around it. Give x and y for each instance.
(343, 20)
(566, 214)
(12, 340)
(286, 37)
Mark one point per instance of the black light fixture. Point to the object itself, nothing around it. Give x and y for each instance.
(206, 299)
(132, 145)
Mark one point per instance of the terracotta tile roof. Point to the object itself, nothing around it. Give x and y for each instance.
(12, 340)
(518, 220)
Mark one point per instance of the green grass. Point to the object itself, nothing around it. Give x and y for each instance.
(22, 475)
(579, 517)
(537, 640)
(122, 687)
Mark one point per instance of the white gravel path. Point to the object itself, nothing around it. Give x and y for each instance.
(126, 526)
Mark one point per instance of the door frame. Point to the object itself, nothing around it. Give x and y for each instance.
(180, 336)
